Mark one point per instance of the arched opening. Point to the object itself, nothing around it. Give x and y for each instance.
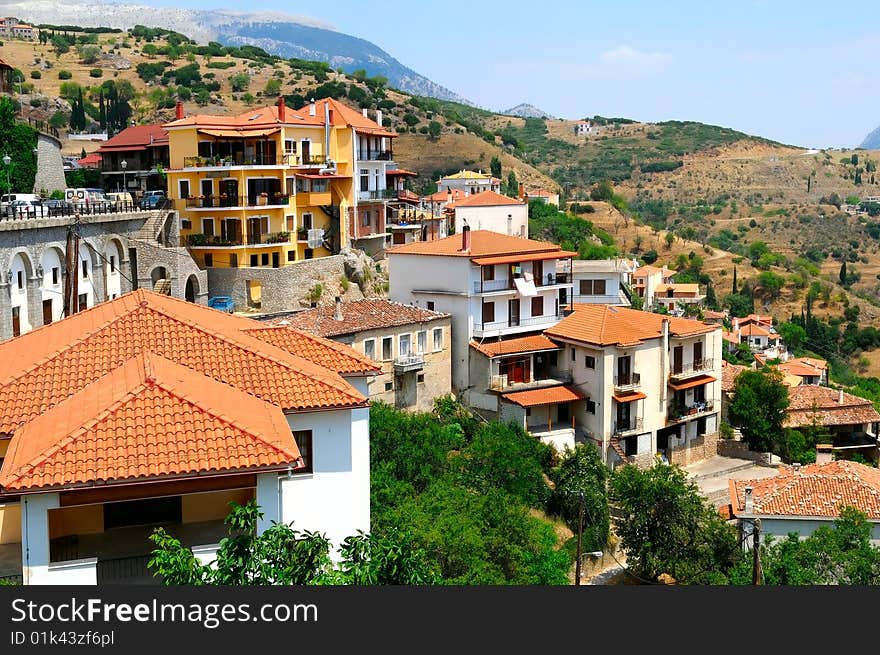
(52, 285)
(161, 282)
(192, 288)
(21, 268)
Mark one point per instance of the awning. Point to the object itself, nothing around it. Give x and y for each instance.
(628, 396)
(525, 287)
(401, 171)
(693, 382)
(241, 134)
(315, 176)
(516, 346)
(528, 257)
(545, 396)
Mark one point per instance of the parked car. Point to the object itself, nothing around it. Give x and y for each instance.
(121, 200)
(56, 207)
(26, 209)
(152, 199)
(8, 198)
(223, 303)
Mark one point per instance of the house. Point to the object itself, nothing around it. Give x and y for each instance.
(651, 382)
(148, 410)
(491, 211)
(469, 182)
(11, 27)
(410, 345)
(601, 281)
(803, 498)
(144, 149)
(646, 279)
(274, 186)
(808, 369)
(852, 421)
(674, 297)
(583, 128)
(545, 196)
(92, 160)
(494, 287)
(116, 252)
(711, 316)
(758, 334)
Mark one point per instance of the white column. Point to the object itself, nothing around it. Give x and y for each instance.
(269, 500)
(35, 536)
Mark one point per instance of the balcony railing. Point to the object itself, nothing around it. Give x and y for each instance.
(520, 322)
(52, 208)
(210, 240)
(377, 194)
(554, 378)
(686, 412)
(633, 424)
(409, 363)
(377, 155)
(213, 202)
(485, 286)
(693, 368)
(254, 160)
(274, 237)
(628, 381)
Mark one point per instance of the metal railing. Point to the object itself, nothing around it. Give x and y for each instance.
(683, 412)
(411, 362)
(621, 427)
(125, 570)
(47, 209)
(693, 368)
(484, 286)
(628, 381)
(272, 237)
(254, 160)
(209, 240)
(213, 202)
(520, 322)
(378, 155)
(377, 194)
(502, 382)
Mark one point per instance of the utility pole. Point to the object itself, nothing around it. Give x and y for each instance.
(577, 569)
(757, 572)
(71, 281)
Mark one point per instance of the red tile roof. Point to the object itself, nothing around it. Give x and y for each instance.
(90, 161)
(606, 325)
(361, 315)
(729, 373)
(809, 405)
(813, 490)
(41, 368)
(324, 352)
(514, 346)
(486, 199)
(443, 196)
(692, 382)
(545, 396)
(148, 419)
(483, 244)
(136, 137)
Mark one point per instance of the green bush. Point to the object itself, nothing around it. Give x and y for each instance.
(35, 75)
(96, 72)
(64, 75)
(220, 65)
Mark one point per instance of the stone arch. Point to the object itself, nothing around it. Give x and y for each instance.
(160, 280)
(113, 257)
(192, 288)
(21, 268)
(52, 282)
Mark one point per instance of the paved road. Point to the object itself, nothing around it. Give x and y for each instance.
(712, 475)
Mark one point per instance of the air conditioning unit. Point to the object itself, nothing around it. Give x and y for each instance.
(316, 238)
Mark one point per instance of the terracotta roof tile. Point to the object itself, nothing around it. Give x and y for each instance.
(443, 196)
(607, 325)
(545, 396)
(486, 199)
(316, 349)
(148, 418)
(136, 137)
(729, 373)
(813, 490)
(43, 367)
(516, 345)
(483, 244)
(360, 315)
(812, 404)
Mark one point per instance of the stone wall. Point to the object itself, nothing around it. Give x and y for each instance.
(740, 449)
(50, 167)
(283, 289)
(695, 450)
(179, 267)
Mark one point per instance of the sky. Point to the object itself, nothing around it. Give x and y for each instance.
(802, 73)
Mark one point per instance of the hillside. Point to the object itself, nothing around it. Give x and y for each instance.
(872, 141)
(277, 33)
(525, 110)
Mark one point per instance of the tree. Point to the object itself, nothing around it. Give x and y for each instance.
(760, 399)
(582, 471)
(771, 283)
(495, 167)
(512, 184)
(793, 336)
(284, 556)
(239, 82)
(734, 281)
(273, 87)
(88, 54)
(665, 526)
(434, 129)
(669, 239)
(842, 274)
(602, 191)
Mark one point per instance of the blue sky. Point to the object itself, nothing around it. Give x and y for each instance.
(797, 72)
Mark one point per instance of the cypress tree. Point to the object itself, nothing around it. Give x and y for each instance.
(734, 280)
(843, 273)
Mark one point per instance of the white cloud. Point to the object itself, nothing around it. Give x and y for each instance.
(623, 58)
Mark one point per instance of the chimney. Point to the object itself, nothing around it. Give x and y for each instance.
(338, 311)
(840, 396)
(749, 501)
(312, 108)
(178, 110)
(466, 238)
(735, 324)
(379, 117)
(796, 466)
(364, 112)
(522, 190)
(281, 109)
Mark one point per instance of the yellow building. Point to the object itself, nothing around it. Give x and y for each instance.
(275, 185)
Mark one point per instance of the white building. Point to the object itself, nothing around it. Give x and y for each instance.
(651, 383)
(583, 128)
(494, 286)
(601, 281)
(167, 411)
(491, 211)
(469, 182)
(646, 281)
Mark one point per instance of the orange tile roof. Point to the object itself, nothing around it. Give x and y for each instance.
(361, 315)
(148, 419)
(628, 396)
(136, 137)
(678, 288)
(545, 396)
(809, 405)
(514, 346)
(755, 330)
(692, 382)
(41, 368)
(515, 259)
(606, 325)
(647, 270)
(316, 349)
(483, 244)
(794, 367)
(443, 196)
(90, 161)
(729, 373)
(813, 490)
(711, 314)
(486, 199)
(341, 116)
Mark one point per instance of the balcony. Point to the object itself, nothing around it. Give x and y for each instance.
(533, 322)
(692, 369)
(677, 413)
(409, 363)
(486, 286)
(623, 427)
(627, 382)
(211, 241)
(377, 194)
(287, 159)
(234, 202)
(274, 237)
(553, 379)
(377, 155)
(313, 198)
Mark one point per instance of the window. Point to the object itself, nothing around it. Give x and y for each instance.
(590, 361)
(370, 348)
(488, 273)
(264, 259)
(208, 226)
(421, 341)
(307, 221)
(184, 189)
(365, 179)
(387, 348)
(592, 287)
(207, 187)
(291, 255)
(591, 406)
(389, 386)
(420, 377)
(488, 312)
(112, 263)
(55, 272)
(538, 306)
(430, 305)
(16, 321)
(438, 339)
(289, 146)
(290, 186)
(233, 261)
(290, 223)
(20, 279)
(365, 219)
(573, 355)
(404, 344)
(308, 253)
(83, 300)
(320, 186)
(303, 439)
(255, 261)
(85, 268)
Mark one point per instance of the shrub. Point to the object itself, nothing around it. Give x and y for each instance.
(96, 72)
(35, 75)
(240, 82)
(64, 75)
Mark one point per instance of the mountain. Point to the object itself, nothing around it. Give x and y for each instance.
(278, 33)
(872, 141)
(525, 110)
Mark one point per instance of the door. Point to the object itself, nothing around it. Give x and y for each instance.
(207, 190)
(563, 413)
(47, 312)
(306, 152)
(623, 416)
(16, 322)
(624, 371)
(677, 359)
(229, 193)
(276, 260)
(698, 355)
(513, 312)
(538, 272)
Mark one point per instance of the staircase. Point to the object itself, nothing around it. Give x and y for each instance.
(152, 227)
(163, 286)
